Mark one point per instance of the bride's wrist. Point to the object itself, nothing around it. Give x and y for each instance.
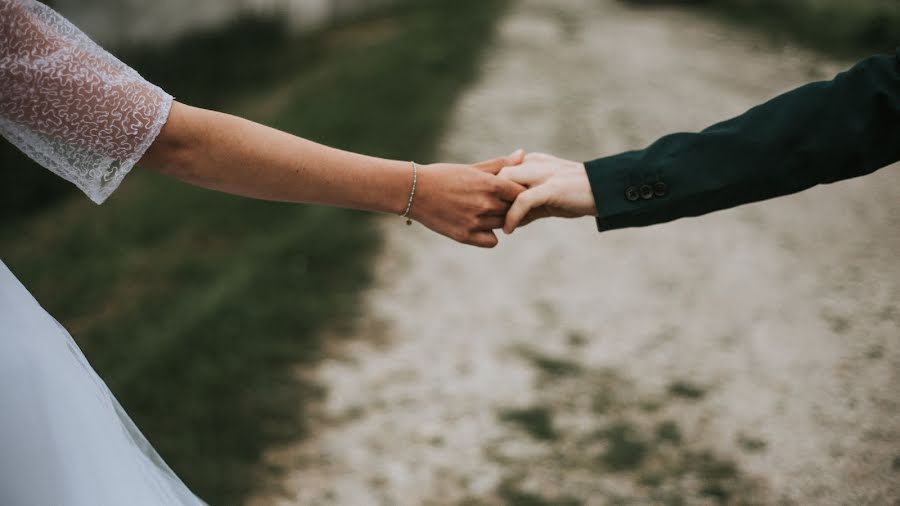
(385, 187)
(413, 186)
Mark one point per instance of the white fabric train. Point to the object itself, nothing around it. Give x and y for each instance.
(65, 439)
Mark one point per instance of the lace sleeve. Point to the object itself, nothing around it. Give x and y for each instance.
(70, 105)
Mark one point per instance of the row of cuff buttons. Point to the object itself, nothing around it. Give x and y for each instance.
(646, 191)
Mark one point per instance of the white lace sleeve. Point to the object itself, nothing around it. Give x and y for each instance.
(70, 105)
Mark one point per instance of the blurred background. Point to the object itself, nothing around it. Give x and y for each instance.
(279, 354)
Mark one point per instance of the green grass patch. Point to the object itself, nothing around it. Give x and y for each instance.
(851, 28)
(537, 421)
(551, 367)
(513, 496)
(668, 431)
(651, 479)
(602, 400)
(719, 477)
(687, 390)
(621, 443)
(625, 449)
(197, 307)
(576, 339)
(751, 444)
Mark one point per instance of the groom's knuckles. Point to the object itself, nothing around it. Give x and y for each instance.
(538, 157)
(515, 174)
(528, 174)
(513, 171)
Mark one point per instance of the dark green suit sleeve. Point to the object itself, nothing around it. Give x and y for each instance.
(819, 133)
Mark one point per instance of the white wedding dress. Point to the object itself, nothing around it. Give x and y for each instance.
(75, 109)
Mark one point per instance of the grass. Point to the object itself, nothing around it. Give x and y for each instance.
(602, 400)
(668, 431)
(717, 475)
(686, 390)
(618, 445)
(537, 421)
(846, 28)
(551, 367)
(196, 307)
(576, 339)
(751, 444)
(625, 449)
(513, 496)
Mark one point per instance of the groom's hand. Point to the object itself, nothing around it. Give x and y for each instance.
(556, 187)
(466, 202)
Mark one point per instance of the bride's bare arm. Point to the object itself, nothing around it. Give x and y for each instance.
(86, 116)
(234, 155)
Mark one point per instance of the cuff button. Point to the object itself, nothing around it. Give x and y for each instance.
(646, 192)
(660, 189)
(632, 194)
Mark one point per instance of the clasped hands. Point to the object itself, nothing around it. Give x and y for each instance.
(468, 203)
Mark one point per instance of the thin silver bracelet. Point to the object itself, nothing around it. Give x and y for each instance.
(412, 194)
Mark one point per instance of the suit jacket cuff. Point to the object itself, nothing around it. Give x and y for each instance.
(625, 189)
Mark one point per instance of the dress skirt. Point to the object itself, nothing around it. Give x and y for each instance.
(64, 439)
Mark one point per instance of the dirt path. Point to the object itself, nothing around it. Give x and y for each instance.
(751, 356)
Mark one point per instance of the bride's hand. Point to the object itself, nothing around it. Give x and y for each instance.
(466, 202)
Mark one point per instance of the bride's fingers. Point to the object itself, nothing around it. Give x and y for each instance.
(524, 175)
(483, 239)
(507, 190)
(496, 165)
(491, 222)
(528, 200)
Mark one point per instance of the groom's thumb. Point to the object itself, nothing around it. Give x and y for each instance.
(527, 201)
(497, 164)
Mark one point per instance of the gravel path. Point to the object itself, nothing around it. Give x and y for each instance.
(747, 357)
